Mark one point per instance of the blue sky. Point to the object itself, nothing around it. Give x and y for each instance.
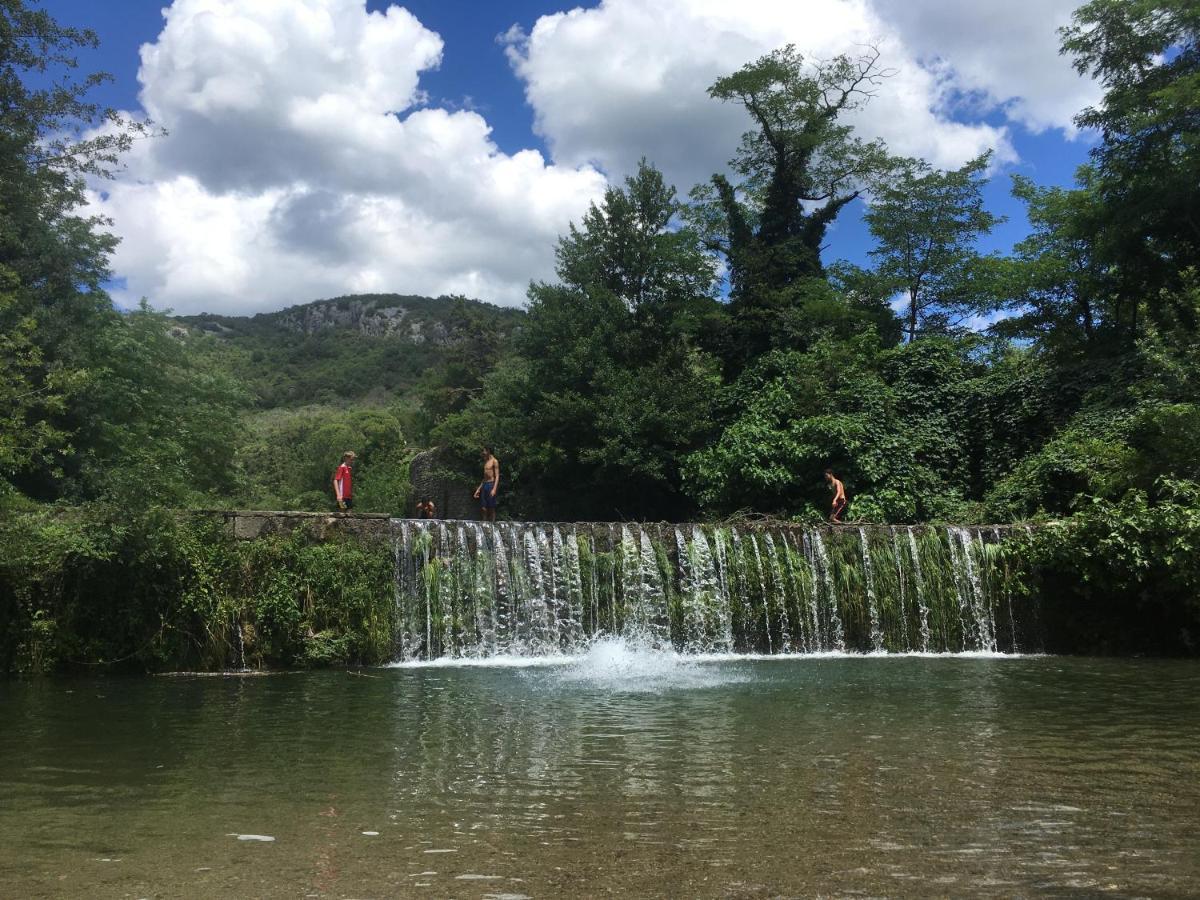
(278, 186)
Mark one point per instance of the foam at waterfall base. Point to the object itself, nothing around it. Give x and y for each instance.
(623, 664)
(500, 661)
(625, 659)
(613, 663)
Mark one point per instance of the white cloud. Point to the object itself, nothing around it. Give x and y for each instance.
(300, 164)
(303, 162)
(628, 77)
(1003, 51)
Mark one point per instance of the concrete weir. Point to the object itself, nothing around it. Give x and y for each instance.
(472, 589)
(247, 525)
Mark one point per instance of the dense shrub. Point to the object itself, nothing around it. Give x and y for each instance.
(94, 588)
(1123, 576)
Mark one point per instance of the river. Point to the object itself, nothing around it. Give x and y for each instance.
(620, 772)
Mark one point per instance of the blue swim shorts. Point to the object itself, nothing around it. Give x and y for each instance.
(487, 496)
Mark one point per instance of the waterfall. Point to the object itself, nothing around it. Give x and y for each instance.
(975, 611)
(762, 591)
(780, 594)
(837, 636)
(540, 589)
(900, 589)
(872, 599)
(573, 572)
(803, 589)
(922, 606)
(725, 611)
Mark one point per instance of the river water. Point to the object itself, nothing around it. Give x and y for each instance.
(631, 773)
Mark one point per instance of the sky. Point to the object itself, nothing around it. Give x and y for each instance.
(317, 148)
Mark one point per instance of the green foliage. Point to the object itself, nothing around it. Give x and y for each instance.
(95, 587)
(1060, 285)
(28, 396)
(479, 335)
(370, 347)
(893, 423)
(610, 387)
(1132, 424)
(100, 405)
(800, 166)
(153, 426)
(1123, 576)
(1147, 165)
(925, 223)
(286, 458)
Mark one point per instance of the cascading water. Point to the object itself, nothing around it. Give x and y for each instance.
(780, 594)
(837, 637)
(537, 589)
(872, 597)
(900, 587)
(922, 607)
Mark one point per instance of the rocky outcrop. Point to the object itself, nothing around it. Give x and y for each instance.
(366, 317)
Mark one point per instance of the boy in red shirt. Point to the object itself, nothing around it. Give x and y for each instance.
(343, 482)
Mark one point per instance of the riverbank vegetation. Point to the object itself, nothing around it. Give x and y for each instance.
(696, 357)
(94, 589)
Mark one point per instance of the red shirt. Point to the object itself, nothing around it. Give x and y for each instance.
(346, 477)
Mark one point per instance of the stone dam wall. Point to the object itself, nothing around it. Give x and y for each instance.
(469, 589)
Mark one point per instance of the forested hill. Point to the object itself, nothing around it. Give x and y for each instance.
(364, 346)
(691, 359)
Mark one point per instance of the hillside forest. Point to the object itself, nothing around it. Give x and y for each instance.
(697, 356)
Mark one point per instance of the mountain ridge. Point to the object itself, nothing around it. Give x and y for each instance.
(344, 349)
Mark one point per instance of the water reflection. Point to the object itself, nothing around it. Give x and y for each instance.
(624, 771)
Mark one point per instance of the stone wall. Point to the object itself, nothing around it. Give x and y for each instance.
(247, 524)
(451, 494)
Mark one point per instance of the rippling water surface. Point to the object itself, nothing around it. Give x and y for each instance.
(625, 773)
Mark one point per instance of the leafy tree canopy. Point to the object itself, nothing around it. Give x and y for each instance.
(926, 223)
(799, 167)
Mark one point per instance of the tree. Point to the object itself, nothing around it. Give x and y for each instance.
(54, 261)
(1062, 290)
(51, 138)
(799, 168)
(609, 389)
(27, 397)
(629, 248)
(286, 458)
(152, 426)
(1147, 165)
(892, 422)
(926, 223)
(472, 350)
(94, 395)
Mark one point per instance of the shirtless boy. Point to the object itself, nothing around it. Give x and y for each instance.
(839, 497)
(489, 487)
